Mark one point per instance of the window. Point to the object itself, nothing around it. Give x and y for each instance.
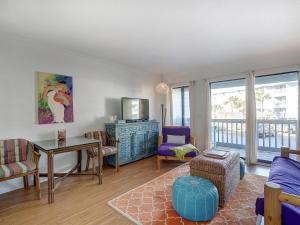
(276, 98)
(181, 106)
(228, 115)
(276, 113)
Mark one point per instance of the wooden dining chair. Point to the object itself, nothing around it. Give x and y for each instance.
(110, 147)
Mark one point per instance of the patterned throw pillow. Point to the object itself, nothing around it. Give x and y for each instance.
(13, 150)
(176, 139)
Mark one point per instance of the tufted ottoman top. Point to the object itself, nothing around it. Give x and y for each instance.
(195, 198)
(194, 185)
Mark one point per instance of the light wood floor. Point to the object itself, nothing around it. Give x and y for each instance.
(79, 200)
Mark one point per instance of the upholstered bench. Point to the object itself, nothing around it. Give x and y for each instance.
(18, 159)
(195, 198)
(223, 173)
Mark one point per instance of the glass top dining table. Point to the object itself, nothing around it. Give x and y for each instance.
(71, 144)
(54, 144)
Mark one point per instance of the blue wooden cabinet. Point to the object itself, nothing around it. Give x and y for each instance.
(137, 140)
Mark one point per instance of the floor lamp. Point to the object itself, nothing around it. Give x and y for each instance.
(162, 89)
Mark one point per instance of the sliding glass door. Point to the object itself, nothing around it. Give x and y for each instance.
(228, 115)
(276, 98)
(276, 113)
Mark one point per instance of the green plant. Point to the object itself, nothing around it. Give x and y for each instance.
(261, 96)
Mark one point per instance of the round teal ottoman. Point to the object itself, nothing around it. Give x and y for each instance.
(242, 169)
(195, 198)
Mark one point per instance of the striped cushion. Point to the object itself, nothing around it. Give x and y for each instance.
(13, 150)
(102, 135)
(17, 168)
(109, 150)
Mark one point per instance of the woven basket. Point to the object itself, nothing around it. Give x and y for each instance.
(223, 173)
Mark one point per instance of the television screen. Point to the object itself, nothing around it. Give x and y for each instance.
(135, 109)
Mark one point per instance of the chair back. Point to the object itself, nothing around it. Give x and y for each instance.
(13, 150)
(178, 131)
(98, 135)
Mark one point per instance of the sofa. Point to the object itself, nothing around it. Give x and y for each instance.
(164, 152)
(18, 159)
(280, 203)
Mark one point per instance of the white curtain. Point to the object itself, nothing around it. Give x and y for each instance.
(207, 108)
(195, 115)
(251, 140)
(199, 92)
(193, 109)
(169, 113)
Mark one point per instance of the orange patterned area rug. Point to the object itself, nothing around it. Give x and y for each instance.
(151, 203)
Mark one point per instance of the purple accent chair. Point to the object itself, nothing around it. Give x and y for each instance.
(280, 203)
(164, 152)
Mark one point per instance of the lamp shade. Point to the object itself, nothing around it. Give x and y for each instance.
(162, 88)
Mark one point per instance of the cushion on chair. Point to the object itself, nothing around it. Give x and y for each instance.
(164, 150)
(17, 168)
(13, 150)
(106, 150)
(109, 150)
(176, 139)
(175, 130)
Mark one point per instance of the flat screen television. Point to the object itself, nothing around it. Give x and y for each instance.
(135, 109)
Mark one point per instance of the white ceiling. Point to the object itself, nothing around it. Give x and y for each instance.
(168, 36)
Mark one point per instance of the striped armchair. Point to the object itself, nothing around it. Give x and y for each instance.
(18, 159)
(109, 146)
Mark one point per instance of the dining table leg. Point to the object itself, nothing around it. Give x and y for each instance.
(50, 178)
(79, 159)
(37, 150)
(100, 167)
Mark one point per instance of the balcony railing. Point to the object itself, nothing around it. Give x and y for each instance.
(271, 134)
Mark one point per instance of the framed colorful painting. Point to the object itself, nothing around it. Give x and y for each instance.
(55, 98)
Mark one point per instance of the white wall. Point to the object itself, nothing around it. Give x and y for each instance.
(98, 87)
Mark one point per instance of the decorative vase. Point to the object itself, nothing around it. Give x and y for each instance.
(61, 134)
(61, 143)
(112, 119)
